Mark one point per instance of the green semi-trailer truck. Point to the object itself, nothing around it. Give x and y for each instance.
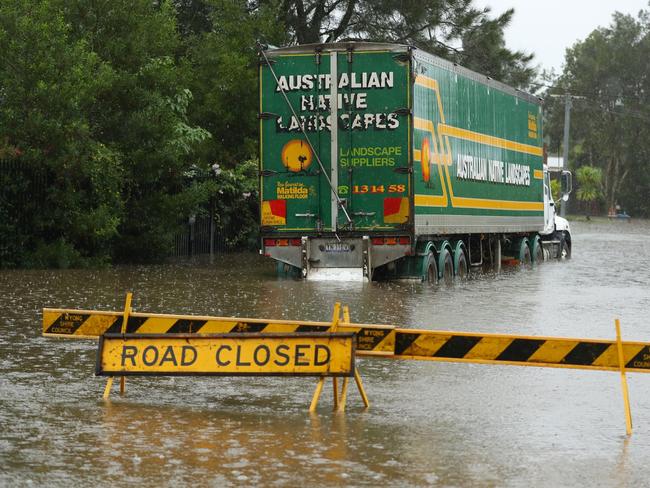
(383, 161)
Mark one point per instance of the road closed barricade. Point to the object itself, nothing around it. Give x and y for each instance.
(143, 343)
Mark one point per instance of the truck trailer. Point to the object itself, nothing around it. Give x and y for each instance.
(381, 161)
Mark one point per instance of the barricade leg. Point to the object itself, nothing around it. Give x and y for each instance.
(357, 376)
(317, 392)
(362, 391)
(125, 320)
(107, 388)
(319, 387)
(344, 395)
(626, 395)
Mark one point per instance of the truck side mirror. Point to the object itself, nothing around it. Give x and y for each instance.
(566, 183)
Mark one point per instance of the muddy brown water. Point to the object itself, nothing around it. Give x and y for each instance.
(430, 424)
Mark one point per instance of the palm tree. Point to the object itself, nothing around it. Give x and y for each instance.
(590, 183)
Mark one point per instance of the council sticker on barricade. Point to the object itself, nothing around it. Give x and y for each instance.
(315, 354)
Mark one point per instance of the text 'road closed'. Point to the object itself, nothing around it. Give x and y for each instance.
(318, 354)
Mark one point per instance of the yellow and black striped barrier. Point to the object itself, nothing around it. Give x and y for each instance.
(381, 340)
(554, 352)
(373, 340)
(91, 324)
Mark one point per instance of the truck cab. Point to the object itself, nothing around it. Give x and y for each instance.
(556, 235)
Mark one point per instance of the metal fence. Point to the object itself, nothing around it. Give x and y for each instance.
(195, 239)
(23, 190)
(22, 184)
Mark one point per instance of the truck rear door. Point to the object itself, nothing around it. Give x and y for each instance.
(295, 195)
(373, 139)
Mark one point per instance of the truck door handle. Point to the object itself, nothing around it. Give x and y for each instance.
(363, 214)
(305, 215)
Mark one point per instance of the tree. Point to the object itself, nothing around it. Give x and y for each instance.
(484, 50)
(610, 124)
(589, 185)
(223, 77)
(46, 79)
(94, 112)
(453, 29)
(193, 17)
(140, 111)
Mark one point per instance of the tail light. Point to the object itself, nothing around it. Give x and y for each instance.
(282, 242)
(391, 241)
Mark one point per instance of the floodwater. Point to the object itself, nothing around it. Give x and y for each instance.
(429, 424)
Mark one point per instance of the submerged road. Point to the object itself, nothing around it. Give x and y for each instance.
(430, 424)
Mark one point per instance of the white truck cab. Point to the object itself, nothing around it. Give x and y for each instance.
(556, 235)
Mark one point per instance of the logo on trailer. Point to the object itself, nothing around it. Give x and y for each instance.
(296, 155)
(425, 158)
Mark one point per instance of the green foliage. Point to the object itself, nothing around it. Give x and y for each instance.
(589, 183)
(556, 189)
(46, 80)
(610, 122)
(141, 111)
(237, 204)
(484, 50)
(57, 254)
(224, 79)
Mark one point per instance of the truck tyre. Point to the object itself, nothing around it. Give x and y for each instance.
(538, 251)
(430, 270)
(446, 267)
(461, 267)
(564, 250)
(524, 253)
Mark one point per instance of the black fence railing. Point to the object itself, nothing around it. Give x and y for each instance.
(23, 190)
(23, 197)
(196, 239)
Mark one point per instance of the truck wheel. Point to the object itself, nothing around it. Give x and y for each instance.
(538, 251)
(461, 267)
(564, 251)
(431, 270)
(524, 254)
(446, 267)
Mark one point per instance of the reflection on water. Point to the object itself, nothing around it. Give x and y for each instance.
(429, 423)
